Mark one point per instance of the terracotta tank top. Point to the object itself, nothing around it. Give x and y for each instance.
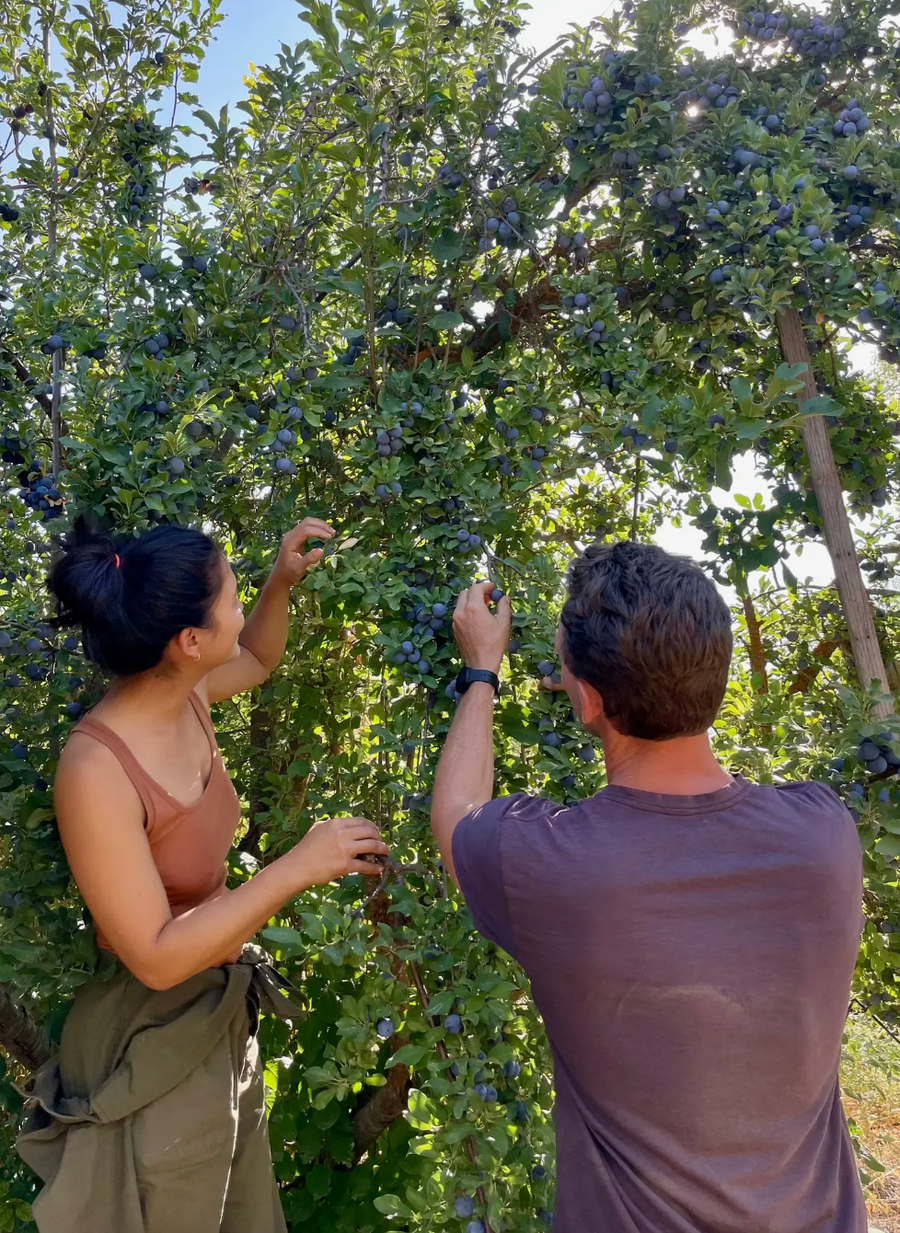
(189, 843)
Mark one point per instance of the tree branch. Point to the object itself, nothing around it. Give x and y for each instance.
(384, 1107)
(755, 648)
(824, 651)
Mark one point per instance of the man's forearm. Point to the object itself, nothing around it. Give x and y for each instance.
(465, 773)
(265, 633)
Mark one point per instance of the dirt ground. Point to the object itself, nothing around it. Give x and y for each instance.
(870, 1075)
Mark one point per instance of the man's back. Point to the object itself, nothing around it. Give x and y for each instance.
(691, 957)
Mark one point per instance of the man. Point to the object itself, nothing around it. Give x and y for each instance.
(690, 936)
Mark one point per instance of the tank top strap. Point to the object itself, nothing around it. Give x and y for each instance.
(202, 712)
(140, 780)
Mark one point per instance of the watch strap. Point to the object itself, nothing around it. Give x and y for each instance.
(468, 675)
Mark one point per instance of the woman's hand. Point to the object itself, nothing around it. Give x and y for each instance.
(336, 847)
(293, 562)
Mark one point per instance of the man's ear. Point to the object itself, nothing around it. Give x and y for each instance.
(590, 708)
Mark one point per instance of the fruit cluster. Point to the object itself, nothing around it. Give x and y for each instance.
(504, 226)
(355, 348)
(851, 120)
(40, 493)
(11, 447)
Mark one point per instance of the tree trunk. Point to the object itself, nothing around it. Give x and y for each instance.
(838, 532)
(261, 729)
(20, 1036)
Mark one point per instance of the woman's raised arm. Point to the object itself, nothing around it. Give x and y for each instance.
(264, 636)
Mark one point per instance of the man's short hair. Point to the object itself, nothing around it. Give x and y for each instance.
(652, 635)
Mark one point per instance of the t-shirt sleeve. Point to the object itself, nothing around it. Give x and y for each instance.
(478, 860)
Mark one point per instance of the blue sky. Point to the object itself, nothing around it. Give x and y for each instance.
(251, 33)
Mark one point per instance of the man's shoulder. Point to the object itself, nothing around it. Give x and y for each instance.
(809, 791)
(518, 809)
(485, 826)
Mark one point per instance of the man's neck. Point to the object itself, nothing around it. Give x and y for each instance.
(685, 766)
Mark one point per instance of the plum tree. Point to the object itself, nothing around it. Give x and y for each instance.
(474, 352)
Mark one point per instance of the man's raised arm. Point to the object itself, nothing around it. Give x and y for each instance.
(465, 774)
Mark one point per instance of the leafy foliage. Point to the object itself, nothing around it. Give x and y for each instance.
(476, 307)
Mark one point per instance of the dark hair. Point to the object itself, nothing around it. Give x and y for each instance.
(652, 635)
(131, 596)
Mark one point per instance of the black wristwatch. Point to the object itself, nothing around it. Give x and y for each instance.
(468, 675)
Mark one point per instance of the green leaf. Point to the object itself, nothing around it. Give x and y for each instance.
(821, 405)
(283, 937)
(449, 246)
(445, 321)
(318, 1180)
(749, 430)
(740, 387)
(652, 408)
(36, 817)
(316, 1076)
(441, 1002)
(888, 845)
(422, 1111)
(390, 1205)
(578, 166)
(407, 1055)
(205, 118)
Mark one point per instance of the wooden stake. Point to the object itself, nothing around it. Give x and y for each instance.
(838, 532)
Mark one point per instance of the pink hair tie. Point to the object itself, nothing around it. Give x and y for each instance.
(118, 562)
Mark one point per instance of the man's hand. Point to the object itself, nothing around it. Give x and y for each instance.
(293, 562)
(481, 635)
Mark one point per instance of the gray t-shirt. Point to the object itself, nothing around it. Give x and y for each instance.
(691, 957)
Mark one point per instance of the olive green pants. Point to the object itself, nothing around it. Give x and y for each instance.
(152, 1119)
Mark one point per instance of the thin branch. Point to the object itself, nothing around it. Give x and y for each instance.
(162, 195)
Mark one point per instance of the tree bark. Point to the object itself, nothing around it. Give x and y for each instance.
(755, 648)
(20, 1036)
(838, 532)
(260, 737)
(806, 676)
(385, 1106)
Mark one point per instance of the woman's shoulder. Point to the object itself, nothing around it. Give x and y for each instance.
(82, 749)
(86, 761)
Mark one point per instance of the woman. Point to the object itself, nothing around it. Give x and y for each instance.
(152, 1118)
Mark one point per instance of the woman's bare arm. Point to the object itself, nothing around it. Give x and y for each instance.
(101, 822)
(264, 636)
